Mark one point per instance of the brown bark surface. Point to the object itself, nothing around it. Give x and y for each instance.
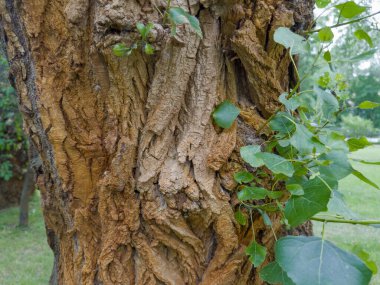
(137, 185)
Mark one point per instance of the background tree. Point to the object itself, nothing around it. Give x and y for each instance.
(137, 183)
(13, 146)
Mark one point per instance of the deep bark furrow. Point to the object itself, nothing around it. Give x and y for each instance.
(137, 184)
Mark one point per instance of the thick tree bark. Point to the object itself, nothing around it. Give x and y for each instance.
(137, 185)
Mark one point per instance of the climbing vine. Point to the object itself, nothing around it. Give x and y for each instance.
(305, 157)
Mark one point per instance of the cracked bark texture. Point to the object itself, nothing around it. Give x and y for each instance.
(137, 182)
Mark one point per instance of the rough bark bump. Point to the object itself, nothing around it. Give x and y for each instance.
(137, 182)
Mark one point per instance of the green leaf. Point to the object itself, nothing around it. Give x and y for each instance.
(282, 123)
(256, 252)
(290, 40)
(361, 176)
(362, 35)
(334, 140)
(120, 50)
(365, 257)
(358, 143)
(364, 56)
(324, 80)
(178, 16)
(240, 218)
(243, 177)
(326, 35)
(248, 154)
(148, 49)
(275, 194)
(266, 219)
(350, 9)
(273, 274)
(313, 261)
(252, 193)
(322, 3)
(225, 114)
(295, 189)
(290, 104)
(368, 105)
(304, 141)
(370, 162)
(339, 167)
(276, 163)
(141, 28)
(194, 24)
(327, 56)
(316, 196)
(337, 206)
(327, 104)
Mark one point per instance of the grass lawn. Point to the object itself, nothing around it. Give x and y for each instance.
(364, 200)
(25, 258)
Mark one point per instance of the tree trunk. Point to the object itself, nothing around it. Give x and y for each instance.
(137, 182)
(27, 190)
(11, 190)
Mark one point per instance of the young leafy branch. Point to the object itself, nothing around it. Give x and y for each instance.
(306, 157)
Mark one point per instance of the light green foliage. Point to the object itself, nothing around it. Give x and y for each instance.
(290, 40)
(355, 144)
(243, 177)
(368, 105)
(307, 154)
(322, 3)
(240, 218)
(144, 30)
(365, 257)
(121, 50)
(252, 193)
(295, 189)
(350, 9)
(362, 35)
(327, 56)
(363, 178)
(326, 35)
(178, 16)
(225, 114)
(274, 274)
(276, 163)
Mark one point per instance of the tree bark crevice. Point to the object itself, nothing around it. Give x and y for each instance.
(138, 182)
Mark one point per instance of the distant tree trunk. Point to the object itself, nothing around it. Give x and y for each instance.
(27, 190)
(10, 191)
(137, 185)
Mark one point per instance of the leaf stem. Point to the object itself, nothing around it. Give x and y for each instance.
(347, 23)
(343, 221)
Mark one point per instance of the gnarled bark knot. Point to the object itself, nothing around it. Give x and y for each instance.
(137, 185)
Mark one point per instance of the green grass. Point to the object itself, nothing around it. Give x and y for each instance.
(25, 257)
(363, 200)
